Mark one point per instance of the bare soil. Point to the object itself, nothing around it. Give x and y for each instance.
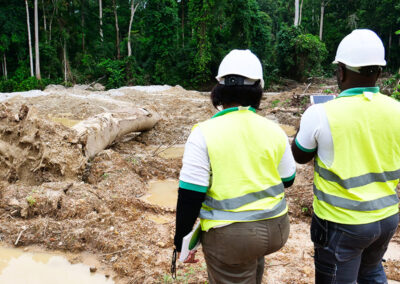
(59, 200)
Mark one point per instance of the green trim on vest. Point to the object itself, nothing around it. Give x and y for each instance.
(193, 187)
(358, 91)
(289, 178)
(302, 148)
(231, 109)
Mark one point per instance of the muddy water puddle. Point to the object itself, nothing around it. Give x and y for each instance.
(163, 193)
(168, 152)
(20, 267)
(159, 219)
(65, 121)
(289, 130)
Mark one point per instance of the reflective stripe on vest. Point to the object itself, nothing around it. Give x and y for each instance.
(370, 205)
(359, 180)
(244, 150)
(360, 185)
(234, 203)
(243, 216)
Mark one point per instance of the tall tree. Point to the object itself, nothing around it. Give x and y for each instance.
(117, 41)
(101, 20)
(5, 66)
(183, 22)
(29, 37)
(133, 10)
(296, 12)
(324, 3)
(44, 17)
(37, 61)
(301, 11)
(55, 7)
(83, 25)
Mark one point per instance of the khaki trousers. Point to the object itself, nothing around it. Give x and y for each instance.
(235, 253)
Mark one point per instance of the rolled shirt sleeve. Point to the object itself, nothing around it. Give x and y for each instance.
(195, 172)
(287, 165)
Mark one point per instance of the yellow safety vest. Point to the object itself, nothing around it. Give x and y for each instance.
(244, 150)
(360, 185)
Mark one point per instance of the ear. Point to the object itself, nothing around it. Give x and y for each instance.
(379, 73)
(342, 73)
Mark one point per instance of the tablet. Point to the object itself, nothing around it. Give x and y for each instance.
(320, 99)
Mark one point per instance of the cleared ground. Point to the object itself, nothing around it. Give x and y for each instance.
(60, 201)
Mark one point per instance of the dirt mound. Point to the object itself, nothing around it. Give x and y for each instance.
(34, 150)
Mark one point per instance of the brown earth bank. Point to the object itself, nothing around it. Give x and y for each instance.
(52, 196)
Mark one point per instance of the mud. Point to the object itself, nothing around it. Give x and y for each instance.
(45, 268)
(34, 150)
(52, 197)
(162, 193)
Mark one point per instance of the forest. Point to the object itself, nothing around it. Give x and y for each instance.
(179, 42)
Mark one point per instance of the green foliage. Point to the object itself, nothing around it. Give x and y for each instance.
(310, 53)
(275, 103)
(396, 93)
(7, 86)
(118, 73)
(31, 83)
(31, 200)
(300, 55)
(391, 86)
(113, 70)
(183, 42)
(201, 17)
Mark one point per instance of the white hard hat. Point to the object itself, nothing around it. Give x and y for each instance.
(243, 63)
(361, 48)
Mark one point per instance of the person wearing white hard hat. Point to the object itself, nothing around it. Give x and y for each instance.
(234, 171)
(355, 142)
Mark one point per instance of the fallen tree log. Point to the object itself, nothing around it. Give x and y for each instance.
(100, 131)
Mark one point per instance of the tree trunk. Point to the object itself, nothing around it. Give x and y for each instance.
(65, 61)
(301, 11)
(183, 23)
(52, 17)
(5, 65)
(44, 17)
(133, 10)
(37, 61)
(296, 13)
(83, 27)
(116, 30)
(390, 42)
(29, 37)
(101, 20)
(321, 24)
(100, 131)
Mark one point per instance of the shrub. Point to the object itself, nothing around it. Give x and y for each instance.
(7, 86)
(299, 55)
(113, 71)
(391, 86)
(31, 83)
(309, 52)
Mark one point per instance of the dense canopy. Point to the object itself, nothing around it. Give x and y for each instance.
(132, 42)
